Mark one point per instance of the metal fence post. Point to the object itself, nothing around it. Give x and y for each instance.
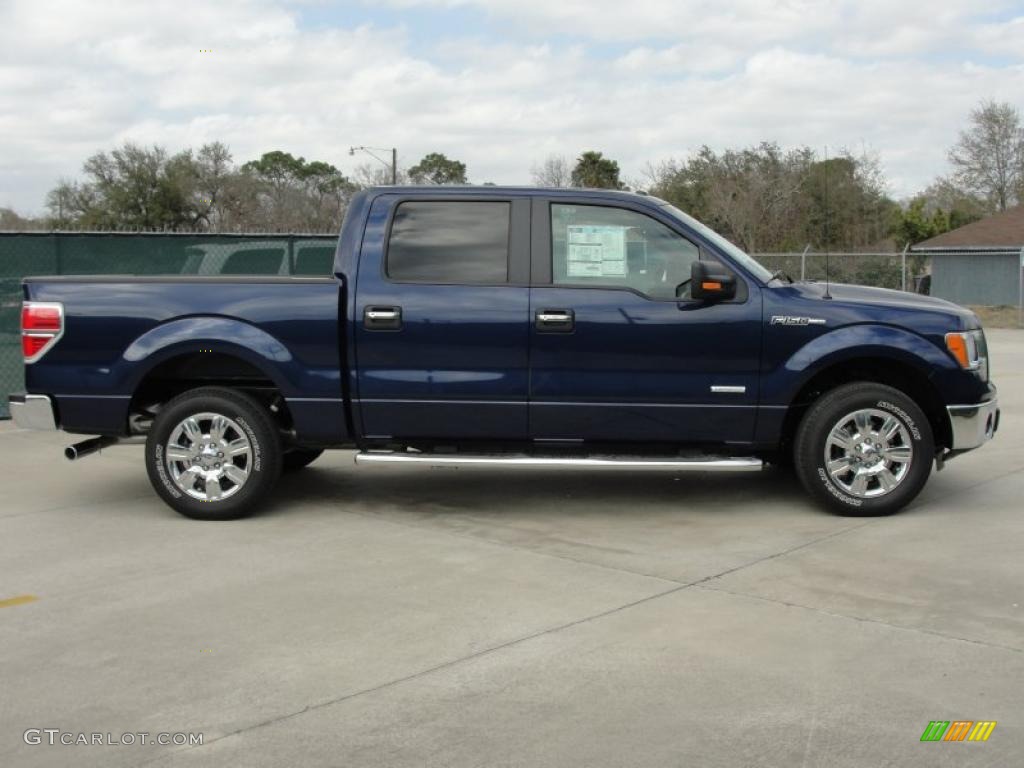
(291, 254)
(803, 263)
(58, 265)
(903, 266)
(1020, 290)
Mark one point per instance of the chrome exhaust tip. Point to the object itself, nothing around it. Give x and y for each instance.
(86, 447)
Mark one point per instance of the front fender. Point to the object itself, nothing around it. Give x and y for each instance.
(211, 334)
(870, 340)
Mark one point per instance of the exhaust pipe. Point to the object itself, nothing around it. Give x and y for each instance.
(92, 445)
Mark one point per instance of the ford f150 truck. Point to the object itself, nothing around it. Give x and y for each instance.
(514, 327)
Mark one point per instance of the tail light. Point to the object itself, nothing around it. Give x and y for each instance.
(42, 324)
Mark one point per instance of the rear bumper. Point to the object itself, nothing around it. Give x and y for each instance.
(32, 411)
(973, 425)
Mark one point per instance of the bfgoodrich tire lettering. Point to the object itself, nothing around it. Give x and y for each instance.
(213, 454)
(864, 449)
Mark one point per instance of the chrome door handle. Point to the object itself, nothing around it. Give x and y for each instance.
(556, 320)
(382, 318)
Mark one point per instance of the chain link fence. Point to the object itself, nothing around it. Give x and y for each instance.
(901, 271)
(114, 253)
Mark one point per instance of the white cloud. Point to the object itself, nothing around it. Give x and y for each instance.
(898, 78)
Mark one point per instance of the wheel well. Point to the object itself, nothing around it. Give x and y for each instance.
(898, 375)
(171, 377)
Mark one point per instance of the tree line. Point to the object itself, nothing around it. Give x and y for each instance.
(763, 198)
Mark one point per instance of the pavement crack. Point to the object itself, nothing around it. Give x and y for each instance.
(862, 619)
(680, 586)
(781, 553)
(428, 671)
(416, 526)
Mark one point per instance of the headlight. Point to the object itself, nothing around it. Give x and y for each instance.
(970, 350)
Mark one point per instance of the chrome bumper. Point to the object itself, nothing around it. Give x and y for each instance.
(32, 411)
(973, 425)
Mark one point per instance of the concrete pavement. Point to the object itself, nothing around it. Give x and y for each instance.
(390, 617)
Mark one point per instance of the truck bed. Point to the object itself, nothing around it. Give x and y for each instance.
(120, 328)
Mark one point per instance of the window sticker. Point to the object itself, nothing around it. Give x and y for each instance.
(596, 251)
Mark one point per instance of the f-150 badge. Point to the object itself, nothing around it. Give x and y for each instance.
(790, 320)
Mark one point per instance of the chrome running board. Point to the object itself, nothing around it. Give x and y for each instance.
(709, 464)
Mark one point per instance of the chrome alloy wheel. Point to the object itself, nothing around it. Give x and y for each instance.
(868, 453)
(209, 456)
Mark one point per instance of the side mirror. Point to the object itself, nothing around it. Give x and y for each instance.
(710, 281)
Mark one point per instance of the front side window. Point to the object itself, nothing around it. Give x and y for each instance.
(717, 240)
(617, 248)
(449, 242)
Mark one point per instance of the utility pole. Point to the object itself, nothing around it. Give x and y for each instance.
(394, 159)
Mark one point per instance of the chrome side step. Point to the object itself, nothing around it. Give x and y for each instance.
(709, 464)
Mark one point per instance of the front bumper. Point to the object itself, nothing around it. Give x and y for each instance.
(32, 411)
(973, 425)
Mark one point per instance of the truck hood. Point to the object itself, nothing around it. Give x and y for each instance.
(886, 299)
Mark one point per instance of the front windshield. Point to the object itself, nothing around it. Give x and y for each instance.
(721, 243)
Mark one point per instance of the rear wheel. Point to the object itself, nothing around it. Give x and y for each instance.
(213, 454)
(864, 449)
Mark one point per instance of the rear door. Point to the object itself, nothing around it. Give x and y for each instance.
(616, 355)
(442, 314)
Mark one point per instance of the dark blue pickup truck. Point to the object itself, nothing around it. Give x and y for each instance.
(526, 328)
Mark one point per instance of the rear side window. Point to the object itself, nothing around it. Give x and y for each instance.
(255, 261)
(449, 242)
(314, 260)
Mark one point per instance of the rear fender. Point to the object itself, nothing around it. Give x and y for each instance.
(212, 334)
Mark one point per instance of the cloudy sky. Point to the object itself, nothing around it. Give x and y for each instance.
(499, 84)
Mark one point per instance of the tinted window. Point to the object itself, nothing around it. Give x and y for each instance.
(314, 260)
(618, 248)
(457, 242)
(254, 261)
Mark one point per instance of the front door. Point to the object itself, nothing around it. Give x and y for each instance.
(441, 324)
(616, 355)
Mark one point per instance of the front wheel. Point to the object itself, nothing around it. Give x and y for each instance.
(213, 454)
(864, 450)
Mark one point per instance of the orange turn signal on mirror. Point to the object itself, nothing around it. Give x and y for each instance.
(956, 343)
(711, 286)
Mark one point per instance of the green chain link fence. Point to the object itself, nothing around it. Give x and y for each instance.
(116, 253)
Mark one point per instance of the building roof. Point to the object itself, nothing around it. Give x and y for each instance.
(1003, 231)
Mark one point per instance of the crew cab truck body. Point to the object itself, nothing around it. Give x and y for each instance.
(516, 327)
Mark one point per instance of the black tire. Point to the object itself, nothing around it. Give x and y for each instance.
(840, 494)
(299, 458)
(262, 461)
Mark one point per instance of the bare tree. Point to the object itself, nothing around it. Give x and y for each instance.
(64, 204)
(11, 221)
(553, 172)
(766, 198)
(212, 169)
(376, 175)
(989, 157)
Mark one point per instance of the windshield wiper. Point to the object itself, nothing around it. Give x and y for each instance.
(778, 275)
